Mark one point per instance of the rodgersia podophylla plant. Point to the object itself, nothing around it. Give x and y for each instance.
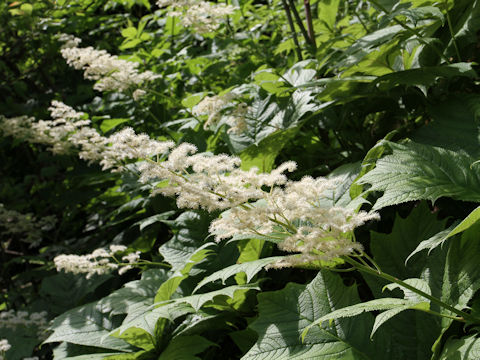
(109, 72)
(295, 210)
(100, 261)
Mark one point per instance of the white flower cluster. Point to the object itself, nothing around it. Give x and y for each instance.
(237, 119)
(213, 107)
(300, 219)
(53, 133)
(24, 227)
(4, 345)
(19, 127)
(202, 16)
(36, 321)
(68, 131)
(98, 262)
(109, 72)
(69, 41)
(211, 182)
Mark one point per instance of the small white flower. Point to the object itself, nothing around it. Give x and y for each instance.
(138, 94)
(4, 345)
(117, 248)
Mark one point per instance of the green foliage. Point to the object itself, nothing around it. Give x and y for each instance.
(419, 172)
(299, 306)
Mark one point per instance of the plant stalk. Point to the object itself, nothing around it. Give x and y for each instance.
(308, 16)
(299, 21)
(292, 28)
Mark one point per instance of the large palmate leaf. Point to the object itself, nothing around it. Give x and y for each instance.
(442, 236)
(136, 294)
(190, 232)
(185, 348)
(389, 306)
(417, 172)
(87, 325)
(269, 116)
(462, 274)
(250, 268)
(466, 23)
(454, 126)
(284, 314)
(390, 252)
(467, 348)
(425, 76)
(177, 307)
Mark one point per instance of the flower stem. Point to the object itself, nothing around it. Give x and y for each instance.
(378, 273)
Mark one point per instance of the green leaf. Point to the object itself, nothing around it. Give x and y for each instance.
(426, 75)
(417, 14)
(297, 75)
(340, 196)
(197, 301)
(185, 348)
(191, 231)
(136, 295)
(192, 100)
(432, 242)
(453, 230)
(395, 306)
(63, 291)
(129, 32)
(153, 219)
(368, 163)
(366, 45)
(284, 314)
(109, 124)
(454, 126)
(22, 341)
(357, 309)
(26, 8)
(263, 155)
(327, 12)
(172, 309)
(416, 172)
(250, 268)
(409, 295)
(461, 278)
(390, 252)
(466, 23)
(266, 117)
(467, 348)
(87, 325)
(466, 223)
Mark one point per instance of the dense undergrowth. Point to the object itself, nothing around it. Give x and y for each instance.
(240, 180)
